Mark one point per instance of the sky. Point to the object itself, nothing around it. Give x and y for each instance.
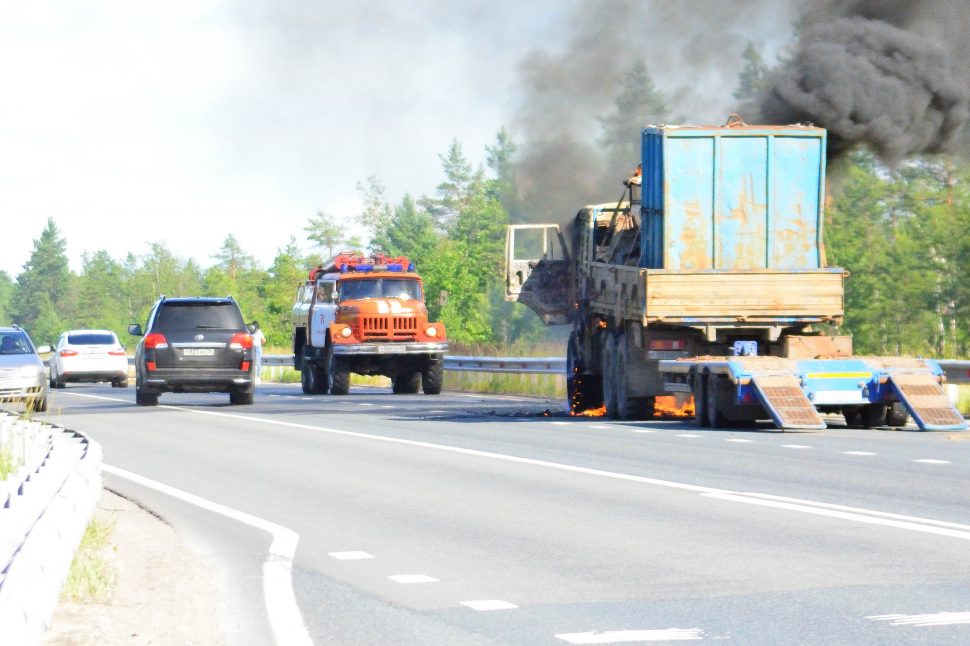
(182, 122)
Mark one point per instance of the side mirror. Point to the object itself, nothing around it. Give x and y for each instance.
(135, 329)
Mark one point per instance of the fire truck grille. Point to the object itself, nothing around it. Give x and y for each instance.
(401, 328)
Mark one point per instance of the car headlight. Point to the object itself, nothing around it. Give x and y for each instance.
(431, 331)
(346, 332)
(30, 371)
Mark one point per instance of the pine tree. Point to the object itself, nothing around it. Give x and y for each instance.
(638, 104)
(43, 300)
(753, 78)
(324, 231)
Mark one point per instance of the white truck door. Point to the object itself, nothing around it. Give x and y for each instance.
(322, 314)
(537, 270)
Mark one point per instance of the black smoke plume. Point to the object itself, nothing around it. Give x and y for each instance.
(892, 75)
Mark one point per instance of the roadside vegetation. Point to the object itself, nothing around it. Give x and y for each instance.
(900, 230)
(92, 578)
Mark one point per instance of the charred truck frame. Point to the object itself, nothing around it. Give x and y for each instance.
(708, 281)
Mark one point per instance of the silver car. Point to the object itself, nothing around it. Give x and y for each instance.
(22, 374)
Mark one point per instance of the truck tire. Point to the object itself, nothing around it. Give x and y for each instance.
(584, 390)
(853, 416)
(433, 376)
(627, 407)
(313, 378)
(338, 375)
(897, 415)
(609, 376)
(406, 383)
(700, 400)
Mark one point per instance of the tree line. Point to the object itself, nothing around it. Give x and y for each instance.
(901, 231)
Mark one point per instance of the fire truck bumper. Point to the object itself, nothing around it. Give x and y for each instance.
(389, 348)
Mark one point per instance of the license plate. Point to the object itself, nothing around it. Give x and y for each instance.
(383, 349)
(199, 352)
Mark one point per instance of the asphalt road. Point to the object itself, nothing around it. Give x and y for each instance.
(465, 519)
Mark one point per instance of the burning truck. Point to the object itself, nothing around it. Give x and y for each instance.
(706, 287)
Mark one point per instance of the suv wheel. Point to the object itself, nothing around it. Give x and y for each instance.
(240, 398)
(143, 398)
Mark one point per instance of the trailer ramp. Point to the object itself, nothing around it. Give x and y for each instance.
(783, 398)
(926, 402)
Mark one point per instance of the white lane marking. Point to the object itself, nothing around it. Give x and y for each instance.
(489, 604)
(626, 636)
(856, 514)
(688, 435)
(365, 404)
(386, 406)
(795, 446)
(858, 453)
(642, 430)
(936, 619)
(739, 440)
(601, 426)
(560, 423)
(932, 461)
(284, 615)
(413, 578)
(914, 523)
(350, 556)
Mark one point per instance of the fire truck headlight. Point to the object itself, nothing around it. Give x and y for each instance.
(431, 331)
(346, 332)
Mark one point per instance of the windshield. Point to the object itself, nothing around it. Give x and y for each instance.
(14, 343)
(402, 288)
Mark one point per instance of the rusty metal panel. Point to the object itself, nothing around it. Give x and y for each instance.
(742, 296)
(732, 198)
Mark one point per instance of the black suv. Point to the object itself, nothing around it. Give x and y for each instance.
(194, 344)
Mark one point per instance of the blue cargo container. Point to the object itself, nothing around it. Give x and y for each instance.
(725, 198)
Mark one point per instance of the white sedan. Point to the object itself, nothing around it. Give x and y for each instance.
(89, 355)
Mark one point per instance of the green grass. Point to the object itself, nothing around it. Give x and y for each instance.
(91, 578)
(7, 465)
(963, 398)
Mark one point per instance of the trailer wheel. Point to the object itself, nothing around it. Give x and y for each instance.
(715, 419)
(433, 376)
(609, 376)
(338, 375)
(874, 415)
(700, 399)
(853, 416)
(897, 415)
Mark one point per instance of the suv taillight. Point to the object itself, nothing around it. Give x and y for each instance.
(155, 340)
(241, 341)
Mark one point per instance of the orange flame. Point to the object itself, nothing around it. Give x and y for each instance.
(674, 406)
(592, 412)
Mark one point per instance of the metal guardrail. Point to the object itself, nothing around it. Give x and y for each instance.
(957, 371)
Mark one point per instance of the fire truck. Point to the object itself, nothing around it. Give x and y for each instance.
(366, 315)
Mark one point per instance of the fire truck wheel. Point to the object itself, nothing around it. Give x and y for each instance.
(609, 376)
(433, 377)
(407, 383)
(313, 378)
(337, 374)
(897, 415)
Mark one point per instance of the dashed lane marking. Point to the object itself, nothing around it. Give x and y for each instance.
(284, 615)
(739, 440)
(350, 556)
(908, 523)
(688, 435)
(627, 636)
(642, 430)
(935, 619)
(795, 446)
(412, 578)
(858, 453)
(489, 604)
(932, 461)
(601, 427)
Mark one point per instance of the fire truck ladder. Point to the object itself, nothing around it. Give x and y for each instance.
(783, 398)
(926, 401)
